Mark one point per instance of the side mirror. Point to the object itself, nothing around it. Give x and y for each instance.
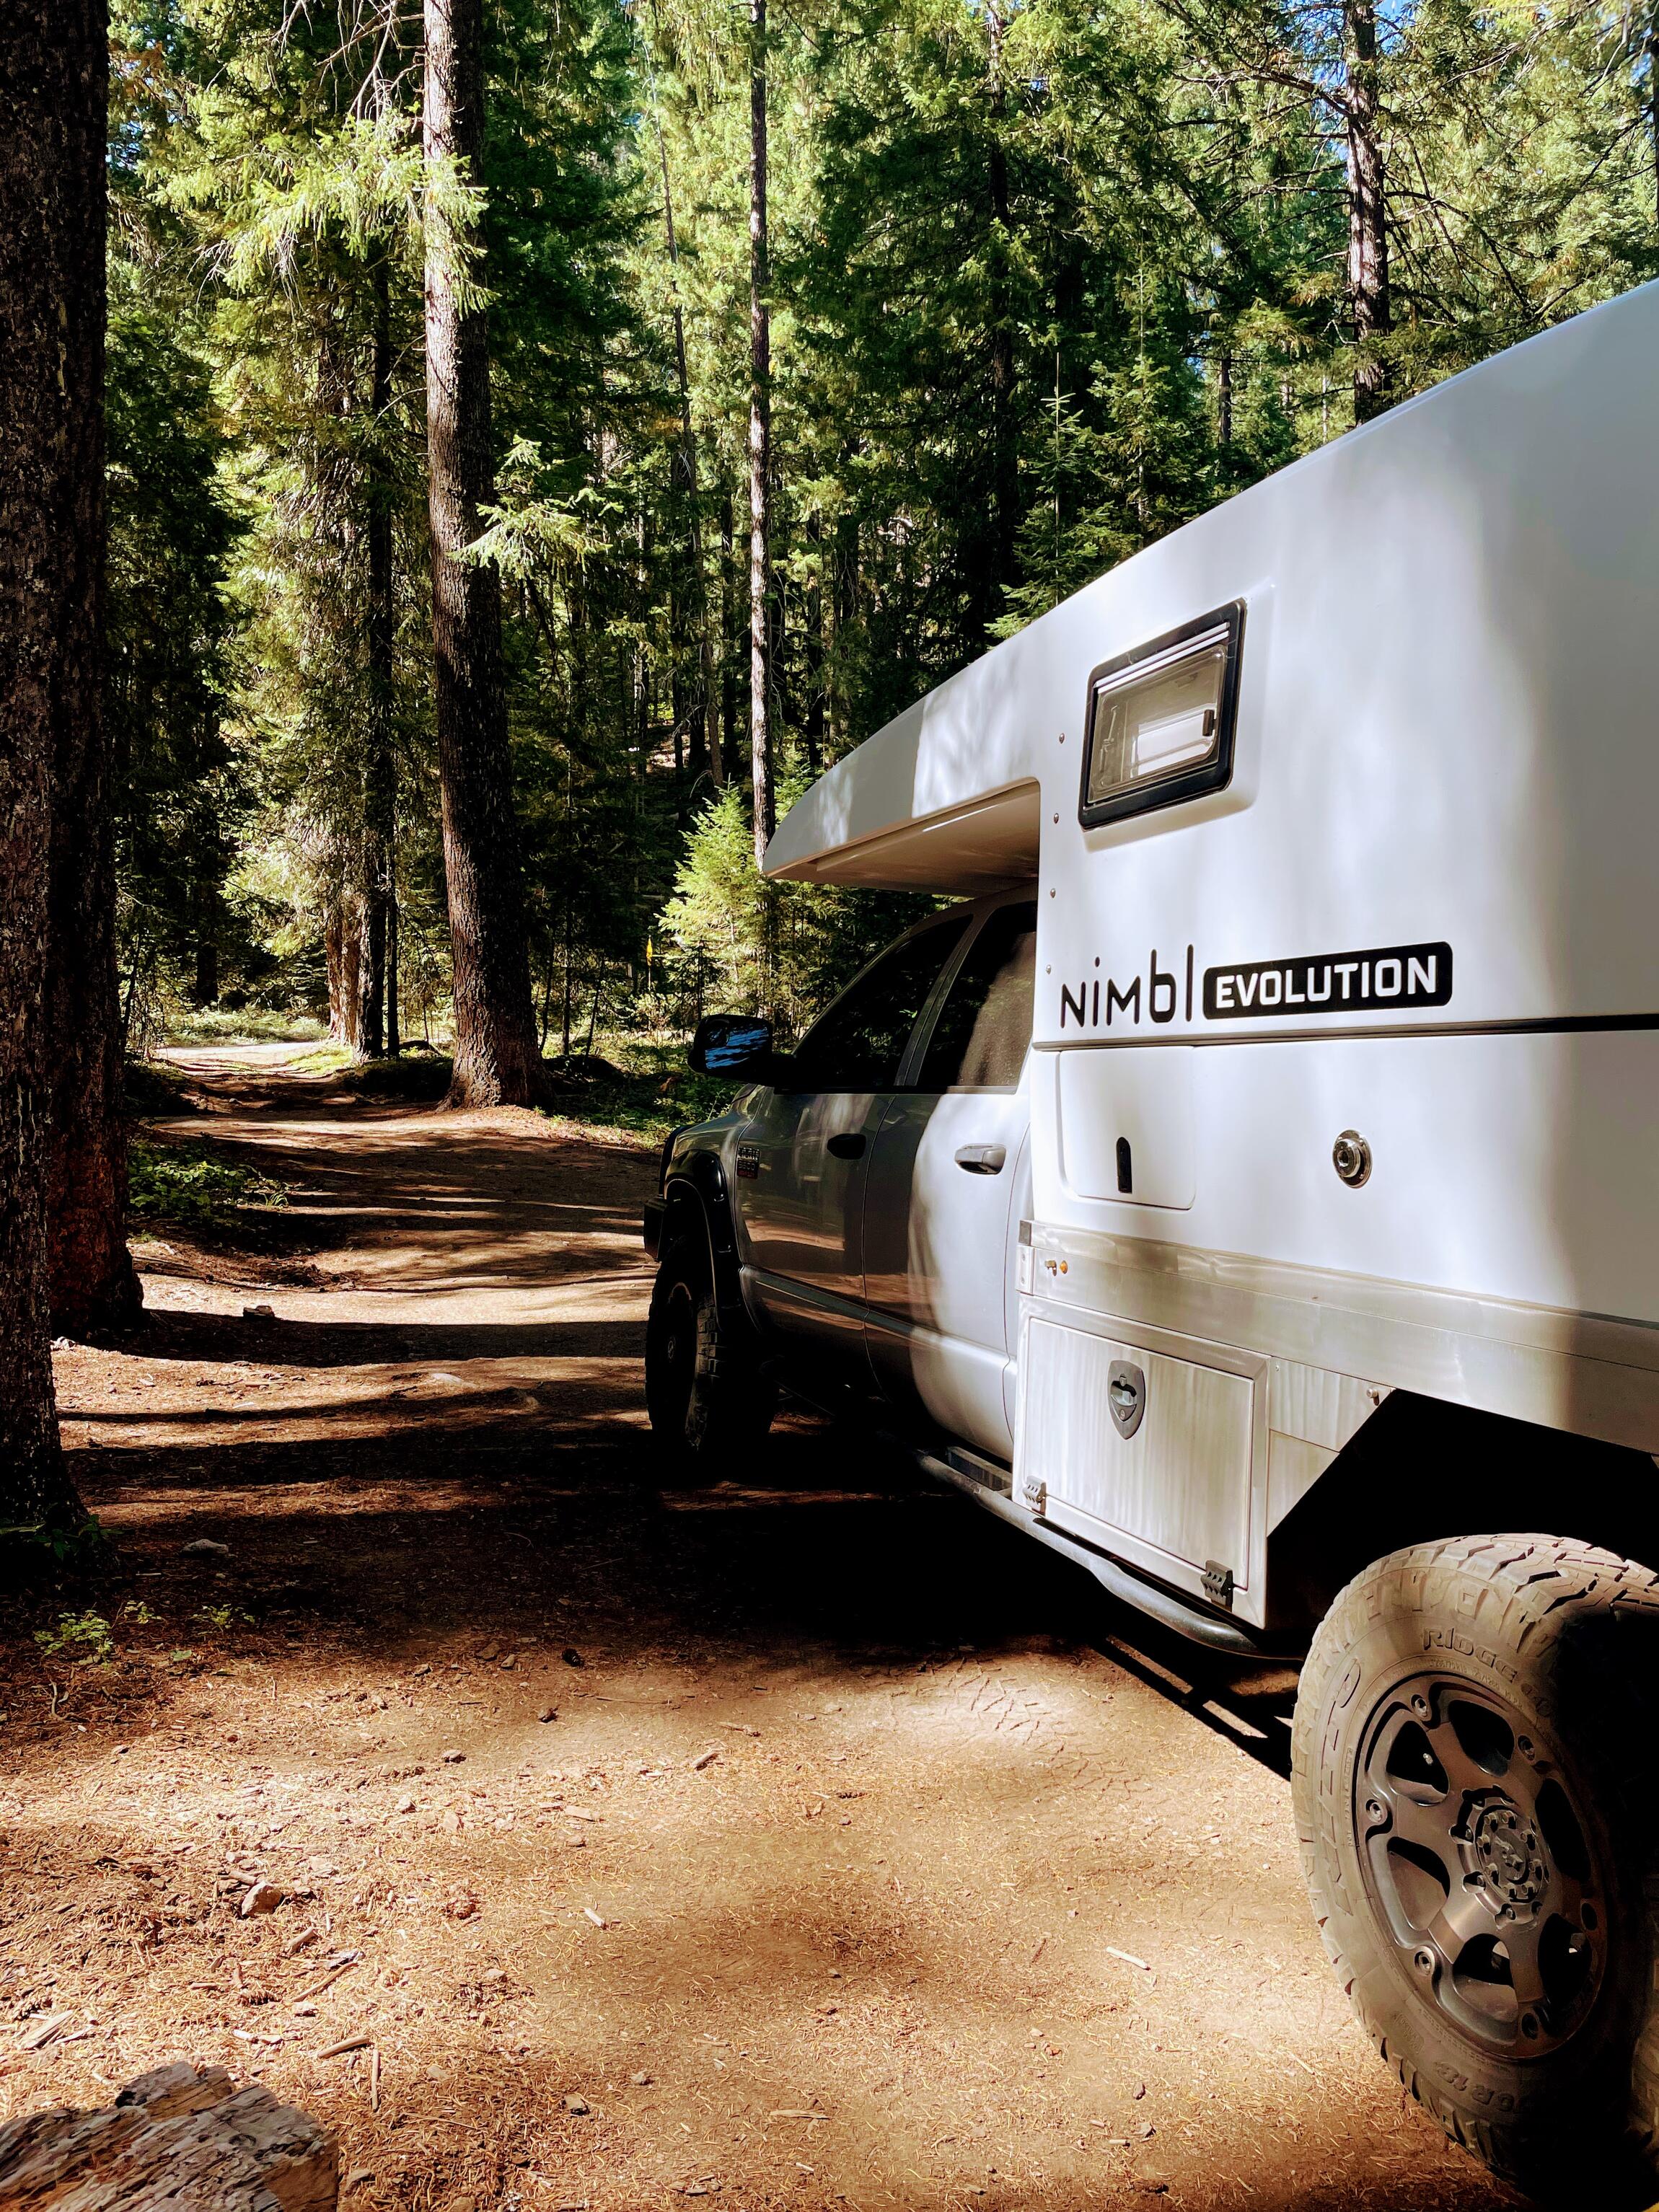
(731, 1044)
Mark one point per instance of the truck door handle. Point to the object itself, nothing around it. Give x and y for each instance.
(847, 1145)
(981, 1159)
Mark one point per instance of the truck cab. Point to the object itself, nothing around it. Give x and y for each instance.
(878, 1177)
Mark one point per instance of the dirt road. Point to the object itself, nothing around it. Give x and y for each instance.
(872, 1856)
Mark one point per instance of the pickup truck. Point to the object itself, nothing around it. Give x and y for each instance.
(1247, 1186)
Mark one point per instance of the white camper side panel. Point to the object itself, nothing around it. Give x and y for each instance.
(1424, 907)
(1513, 1202)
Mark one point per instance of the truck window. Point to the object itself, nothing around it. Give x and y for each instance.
(983, 1028)
(1160, 720)
(859, 1043)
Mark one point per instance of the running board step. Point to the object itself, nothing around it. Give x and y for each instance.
(992, 1485)
(988, 1473)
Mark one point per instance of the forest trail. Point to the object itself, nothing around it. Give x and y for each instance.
(872, 1858)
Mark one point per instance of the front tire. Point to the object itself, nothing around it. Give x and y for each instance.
(709, 1404)
(1476, 1785)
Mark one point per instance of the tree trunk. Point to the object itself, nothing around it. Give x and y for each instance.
(1005, 457)
(729, 636)
(815, 644)
(204, 899)
(760, 445)
(371, 980)
(1368, 228)
(705, 743)
(496, 1061)
(54, 94)
(380, 794)
(1223, 400)
(394, 1037)
(93, 1285)
(343, 952)
(843, 601)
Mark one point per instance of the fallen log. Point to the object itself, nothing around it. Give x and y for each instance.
(182, 2137)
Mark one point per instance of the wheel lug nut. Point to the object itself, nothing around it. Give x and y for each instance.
(1424, 1960)
(1374, 1809)
(1420, 1706)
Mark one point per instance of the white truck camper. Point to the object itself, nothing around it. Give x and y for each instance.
(1251, 1186)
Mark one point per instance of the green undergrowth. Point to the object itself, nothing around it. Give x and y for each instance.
(153, 1089)
(249, 1025)
(84, 1638)
(630, 1091)
(183, 1183)
(417, 1076)
(633, 1093)
(325, 1059)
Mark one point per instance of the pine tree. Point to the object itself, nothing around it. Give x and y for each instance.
(496, 1059)
(53, 86)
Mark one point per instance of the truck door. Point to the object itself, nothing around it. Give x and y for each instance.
(803, 1160)
(939, 1202)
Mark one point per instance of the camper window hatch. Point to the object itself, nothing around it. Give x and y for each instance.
(1160, 720)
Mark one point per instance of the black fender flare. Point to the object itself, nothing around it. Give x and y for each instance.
(697, 1202)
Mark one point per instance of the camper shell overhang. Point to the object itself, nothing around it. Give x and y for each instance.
(1443, 732)
(945, 798)
(984, 844)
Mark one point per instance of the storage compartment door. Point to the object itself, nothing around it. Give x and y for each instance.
(1172, 1495)
(1127, 1124)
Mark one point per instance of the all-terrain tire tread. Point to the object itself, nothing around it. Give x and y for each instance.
(1538, 1577)
(731, 1403)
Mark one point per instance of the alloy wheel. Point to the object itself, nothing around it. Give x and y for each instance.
(1479, 1866)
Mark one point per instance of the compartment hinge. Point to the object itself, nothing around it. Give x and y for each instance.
(1219, 1583)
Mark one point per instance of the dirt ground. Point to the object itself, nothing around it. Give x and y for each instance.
(812, 1841)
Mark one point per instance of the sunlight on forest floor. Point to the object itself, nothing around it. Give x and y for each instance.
(870, 1857)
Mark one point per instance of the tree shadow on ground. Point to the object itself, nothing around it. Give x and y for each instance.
(222, 1338)
(825, 1541)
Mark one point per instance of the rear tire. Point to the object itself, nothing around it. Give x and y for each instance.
(1476, 1785)
(709, 1404)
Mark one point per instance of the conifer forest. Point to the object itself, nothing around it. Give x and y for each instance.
(799, 352)
(601, 1606)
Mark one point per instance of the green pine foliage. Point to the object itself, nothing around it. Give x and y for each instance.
(1050, 278)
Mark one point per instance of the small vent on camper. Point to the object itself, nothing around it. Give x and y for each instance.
(1126, 1166)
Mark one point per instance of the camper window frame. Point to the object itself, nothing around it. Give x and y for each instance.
(1213, 774)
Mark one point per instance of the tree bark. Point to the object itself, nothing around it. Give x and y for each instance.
(705, 741)
(815, 644)
(380, 794)
(1223, 399)
(180, 2135)
(394, 1036)
(760, 445)
(730, 637)
(496, 1059)
(342, 953)
(94, 1284)
(843, 601)
(1368, 227)
(204, 899)
(54, 93)
(1004, 456)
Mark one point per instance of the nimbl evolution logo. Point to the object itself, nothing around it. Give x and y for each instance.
(1387, 978)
